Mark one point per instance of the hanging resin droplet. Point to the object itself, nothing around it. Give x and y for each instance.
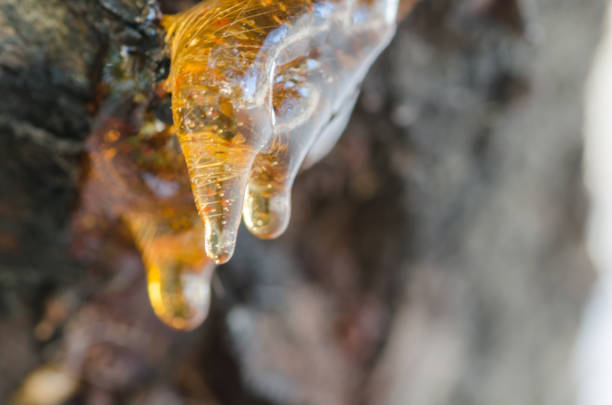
(138, 175)
(254, 86)
(178, 271)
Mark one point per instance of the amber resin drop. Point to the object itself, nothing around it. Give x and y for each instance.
(178, 272)
(138, 176)
(256, 86)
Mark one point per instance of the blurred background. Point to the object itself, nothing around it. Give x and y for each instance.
(441, 254)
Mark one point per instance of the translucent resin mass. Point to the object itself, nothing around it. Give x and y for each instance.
(138, 175)
(258, 87)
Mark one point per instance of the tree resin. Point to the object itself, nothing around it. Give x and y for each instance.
(138, 176)
(257, 86)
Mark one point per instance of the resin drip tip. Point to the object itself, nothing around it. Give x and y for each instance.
(178, 271)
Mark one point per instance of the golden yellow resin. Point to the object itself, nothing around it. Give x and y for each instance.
(258, 86)
(178, 272)
(139, 176)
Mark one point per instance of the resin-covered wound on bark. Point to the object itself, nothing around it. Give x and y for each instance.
(255, 86)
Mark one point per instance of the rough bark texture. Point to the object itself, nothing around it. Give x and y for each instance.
(434, 257)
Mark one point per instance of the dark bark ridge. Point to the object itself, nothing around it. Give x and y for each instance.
(55, 61)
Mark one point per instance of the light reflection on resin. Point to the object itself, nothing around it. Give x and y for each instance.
(257, 86)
